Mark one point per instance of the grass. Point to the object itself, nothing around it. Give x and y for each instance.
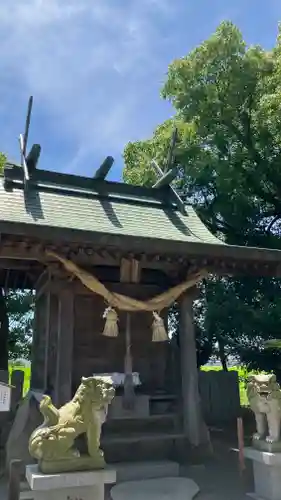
(242, 374)
(26, 370)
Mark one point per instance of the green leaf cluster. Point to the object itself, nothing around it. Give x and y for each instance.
(2, 162)
(20, 309)
(227, 100)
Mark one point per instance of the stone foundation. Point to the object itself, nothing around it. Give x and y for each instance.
(267, 473)
(69, 486)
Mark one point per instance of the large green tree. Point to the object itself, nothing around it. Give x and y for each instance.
(227, 100)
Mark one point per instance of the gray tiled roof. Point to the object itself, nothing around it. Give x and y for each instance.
(110, 216)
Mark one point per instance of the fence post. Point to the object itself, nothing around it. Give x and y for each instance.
(240, 435)
(17, 379)
(4, 376)
(14, 480)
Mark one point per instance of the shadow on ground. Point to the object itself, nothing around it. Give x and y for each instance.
(219, 478)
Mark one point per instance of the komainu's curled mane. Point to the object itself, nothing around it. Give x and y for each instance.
(85, 413)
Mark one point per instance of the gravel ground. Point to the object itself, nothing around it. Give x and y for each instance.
(218, 481)
(3, 490)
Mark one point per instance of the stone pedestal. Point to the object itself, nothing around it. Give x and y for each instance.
(267, 473)
(70, 485)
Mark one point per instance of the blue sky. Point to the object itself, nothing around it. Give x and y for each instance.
(95, 69)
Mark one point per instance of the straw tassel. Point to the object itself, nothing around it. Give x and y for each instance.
(111, 323)
(159, 333)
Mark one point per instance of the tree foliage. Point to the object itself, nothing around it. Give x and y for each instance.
(20, 309)
(227, 100)
(2, 162)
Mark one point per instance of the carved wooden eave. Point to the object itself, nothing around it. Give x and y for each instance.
(22, 262)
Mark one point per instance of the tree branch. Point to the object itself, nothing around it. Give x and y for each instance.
(271, 224)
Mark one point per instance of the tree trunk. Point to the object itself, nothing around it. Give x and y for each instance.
(222, 356)
(4, 332)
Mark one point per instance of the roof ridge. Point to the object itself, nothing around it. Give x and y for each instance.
(76, 184)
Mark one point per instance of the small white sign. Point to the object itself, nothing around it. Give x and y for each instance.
(5, 397)
(118, 379)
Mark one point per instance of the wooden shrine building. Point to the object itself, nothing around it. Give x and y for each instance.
(136, 241)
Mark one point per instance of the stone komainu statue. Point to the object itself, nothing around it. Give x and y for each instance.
(53, 443)
(264, 395)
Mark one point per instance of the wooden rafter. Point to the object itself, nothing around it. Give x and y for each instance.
(103, 171)
(169, 173)
(28, 162)
(27, 125)
(166, 178)
(177, 199)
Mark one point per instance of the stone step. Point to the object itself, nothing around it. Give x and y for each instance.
(138, 447)
(136, 437)
(128, 471)
(154, 423)
(25, 491)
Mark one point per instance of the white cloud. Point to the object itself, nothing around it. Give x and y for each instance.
(84, 61)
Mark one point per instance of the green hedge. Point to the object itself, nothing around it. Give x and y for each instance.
(243, 374)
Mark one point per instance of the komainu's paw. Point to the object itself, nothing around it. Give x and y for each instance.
(257, 436)
(271, 439)
(72, 453)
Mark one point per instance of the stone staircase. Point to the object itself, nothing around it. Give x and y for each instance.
(156, 438)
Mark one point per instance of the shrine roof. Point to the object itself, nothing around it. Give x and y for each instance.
(75, 203)
(68, 208)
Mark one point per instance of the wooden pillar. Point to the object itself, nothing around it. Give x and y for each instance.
(40, 336)
(193, 423)
(47, 337)
(38, 345)
(63, 380)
